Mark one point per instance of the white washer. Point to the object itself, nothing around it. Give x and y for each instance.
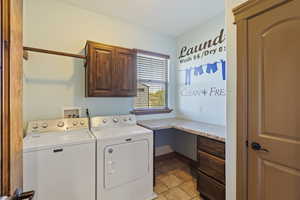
(124, 159)
(59, 160)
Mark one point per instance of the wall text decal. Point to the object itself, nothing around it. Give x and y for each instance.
(209, 92)
(206, 48)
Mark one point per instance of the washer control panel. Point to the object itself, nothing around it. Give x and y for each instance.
(113, 121)
(41, 126)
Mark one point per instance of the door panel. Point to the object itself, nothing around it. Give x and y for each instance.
(280, 77)
(100, 69)
(275, 176)
(125, 163)
(125, 72)
(274, 103)
(103, 62)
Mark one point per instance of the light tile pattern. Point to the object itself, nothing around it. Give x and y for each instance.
(174, 181)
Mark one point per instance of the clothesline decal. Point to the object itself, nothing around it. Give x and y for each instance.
(211, 68)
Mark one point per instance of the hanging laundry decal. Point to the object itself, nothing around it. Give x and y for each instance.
(188, 72)
(211, 68)
(198, 70)
(223, 62)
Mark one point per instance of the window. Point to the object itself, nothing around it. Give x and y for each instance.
(152, 86)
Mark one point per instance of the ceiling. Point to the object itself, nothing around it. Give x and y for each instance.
(169, 17)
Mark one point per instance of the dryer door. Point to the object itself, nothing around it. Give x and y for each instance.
(126, 162)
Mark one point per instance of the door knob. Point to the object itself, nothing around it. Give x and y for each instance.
(19, 196)
(257, 147)
(26, 195)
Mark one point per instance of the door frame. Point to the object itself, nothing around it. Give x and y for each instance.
(242, 14)
(4, 99)
(11, 12)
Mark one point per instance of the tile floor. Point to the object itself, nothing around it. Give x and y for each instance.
(174, 181)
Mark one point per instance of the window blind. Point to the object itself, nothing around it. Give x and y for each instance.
(152, 69)
(152, 76)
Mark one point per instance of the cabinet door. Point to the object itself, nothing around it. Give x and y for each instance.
(124, 75)
(99, 81)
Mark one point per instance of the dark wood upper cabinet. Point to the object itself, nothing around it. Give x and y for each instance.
(125, 72)
(110, 71)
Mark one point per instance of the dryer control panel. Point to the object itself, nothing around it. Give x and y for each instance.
(113, 121)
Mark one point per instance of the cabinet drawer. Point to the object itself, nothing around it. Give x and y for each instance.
(213, 147)
(210, 188)
(211, 165)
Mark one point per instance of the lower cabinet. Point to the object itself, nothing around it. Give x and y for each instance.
(210, 188)
(211, 168)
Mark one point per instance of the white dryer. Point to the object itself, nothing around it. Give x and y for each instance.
(59, 160)
(124, 158)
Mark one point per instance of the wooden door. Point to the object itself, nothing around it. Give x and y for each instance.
(99, 70)
(125, 74)
(274, 103)
(11, 96)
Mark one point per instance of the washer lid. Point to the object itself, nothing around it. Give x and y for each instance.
(34, 142)
(121, 131)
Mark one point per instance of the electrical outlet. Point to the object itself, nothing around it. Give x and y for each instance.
(72, 112)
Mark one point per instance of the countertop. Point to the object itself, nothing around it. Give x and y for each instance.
(212, 131)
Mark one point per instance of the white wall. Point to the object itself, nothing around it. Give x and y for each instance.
(210, 109)
(191, 102)
(231, 100)
(52, 82)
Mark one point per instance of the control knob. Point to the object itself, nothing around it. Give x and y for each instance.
(60, 124)
(115, 120)
(44, 125)
(75, 123)
(35, 126)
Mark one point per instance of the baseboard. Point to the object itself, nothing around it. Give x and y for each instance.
(165, 156)
(163, 150)
(186, 159)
